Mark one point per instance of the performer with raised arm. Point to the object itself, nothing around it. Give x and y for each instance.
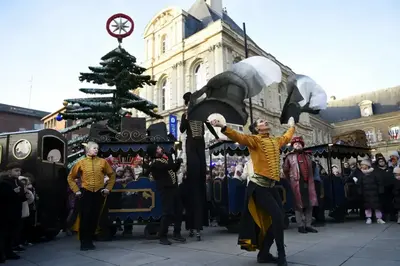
(91, 171)
(164, 169)
(263, 220)
(196, 169)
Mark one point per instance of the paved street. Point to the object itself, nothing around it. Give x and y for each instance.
(348, 244)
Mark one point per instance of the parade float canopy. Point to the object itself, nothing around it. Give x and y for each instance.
(234, 148)
(226, 92)
(304, 95)
(338, 151)
(133, 148)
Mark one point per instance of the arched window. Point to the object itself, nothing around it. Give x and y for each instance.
(199, 76)
(164, 41)
(163, 93)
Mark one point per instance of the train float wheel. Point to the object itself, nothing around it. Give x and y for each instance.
(151, 231)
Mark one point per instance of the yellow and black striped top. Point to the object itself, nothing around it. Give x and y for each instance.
(264, 150)
(92, 171)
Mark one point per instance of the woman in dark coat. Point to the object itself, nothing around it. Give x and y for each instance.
(385, 174)
(396, 192)
(371, 188)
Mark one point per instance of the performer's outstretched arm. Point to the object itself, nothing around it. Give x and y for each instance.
(184, 124)
(212, 130)
(72, 176)
(111, 175)
(159, 164)
(242, 139)
(285, 138)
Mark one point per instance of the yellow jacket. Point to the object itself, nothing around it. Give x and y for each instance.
(92, 171)
(264, 150)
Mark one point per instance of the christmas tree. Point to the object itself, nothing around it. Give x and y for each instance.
(118, 69)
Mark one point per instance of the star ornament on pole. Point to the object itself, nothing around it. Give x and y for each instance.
(120, 26)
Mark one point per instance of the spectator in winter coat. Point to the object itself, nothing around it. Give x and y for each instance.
(396, 192)
(394, 159)
(371, 188)
(385, 174)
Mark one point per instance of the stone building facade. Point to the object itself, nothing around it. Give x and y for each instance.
(377, 113)
(185, 49)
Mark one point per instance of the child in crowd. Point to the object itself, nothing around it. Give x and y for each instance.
(371, 188)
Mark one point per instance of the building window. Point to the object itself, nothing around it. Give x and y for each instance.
(37, 126)
(280, 97)
(163, 93)
(164, 40)
(237, 59)
(370, 135)
(394, 132)
(199, 76)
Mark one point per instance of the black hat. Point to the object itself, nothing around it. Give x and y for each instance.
(252, 128)
(379, 156)
(13, 165)
(186, 97)
(152, 149)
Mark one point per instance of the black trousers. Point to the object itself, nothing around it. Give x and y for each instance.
(269, 200)
(90, 205)
(196, 183)
(319, 211)
(172, 210)
(8, 235)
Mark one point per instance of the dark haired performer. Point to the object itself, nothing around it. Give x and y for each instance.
(164, 169)
(263, 220)
(196, 170)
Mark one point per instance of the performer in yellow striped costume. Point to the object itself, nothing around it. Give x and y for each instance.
(263, 220)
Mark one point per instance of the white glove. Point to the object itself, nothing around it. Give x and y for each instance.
(105, 191)
(291, 122)
(17, 189)
(78, 194)
(355, 179)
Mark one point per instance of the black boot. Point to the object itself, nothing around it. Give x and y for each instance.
(12, 256)
(282, 261)
(2, 258)
(282, 257)
(266, 258)
(309, 229)
(85, 246)
(164, 241)
(302, 230)
(178, 237)
(198, 236)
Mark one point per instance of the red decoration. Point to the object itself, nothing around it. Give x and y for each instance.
(120, 25)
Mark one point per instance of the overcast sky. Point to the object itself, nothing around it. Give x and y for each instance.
(348, 47)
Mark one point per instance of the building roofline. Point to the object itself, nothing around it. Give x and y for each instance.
(6, 108)
(53, 113)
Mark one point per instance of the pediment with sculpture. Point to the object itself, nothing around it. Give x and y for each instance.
(161, 19)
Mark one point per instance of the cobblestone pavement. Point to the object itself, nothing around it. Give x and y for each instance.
(347, 244)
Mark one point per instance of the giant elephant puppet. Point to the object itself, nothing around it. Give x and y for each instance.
(225, 93)
(304, 96)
